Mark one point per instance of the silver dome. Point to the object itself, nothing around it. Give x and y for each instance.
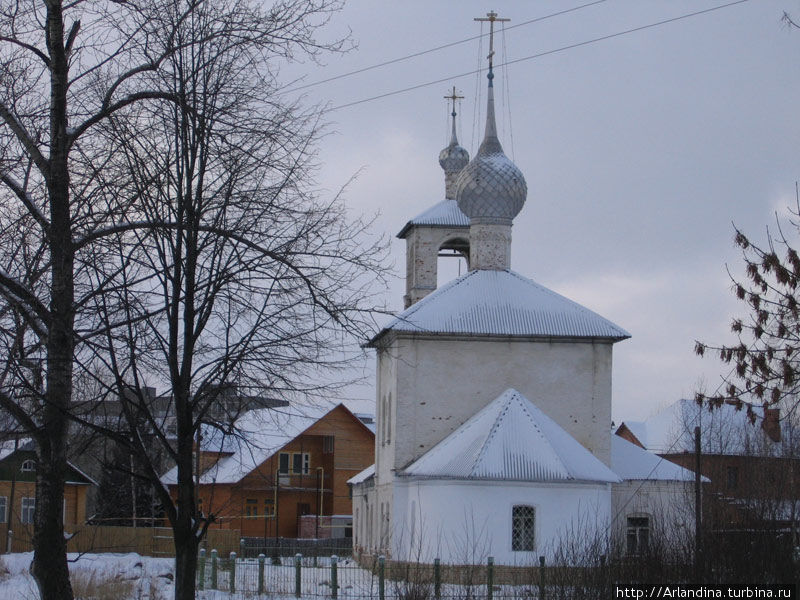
(491, 188)
(453, 158)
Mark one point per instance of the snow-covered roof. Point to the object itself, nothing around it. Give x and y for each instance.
(630, 462)
(443, 214)
(363, 475)
(511, 439)
(7, 447)
(723, 430)
(501, 303)
(260, 433)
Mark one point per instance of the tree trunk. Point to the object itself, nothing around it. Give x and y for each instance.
(185, 563)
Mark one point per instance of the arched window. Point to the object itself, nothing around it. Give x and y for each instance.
(28, 466)
(638, 534)
(523, 528)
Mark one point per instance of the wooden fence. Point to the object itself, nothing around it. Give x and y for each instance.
(147, 541)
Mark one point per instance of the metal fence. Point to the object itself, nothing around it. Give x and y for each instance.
(336, 577)
(251, 547)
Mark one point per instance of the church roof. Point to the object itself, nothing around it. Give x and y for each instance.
(501, 303)
(630, 462)
(443, 214)
(511, 439)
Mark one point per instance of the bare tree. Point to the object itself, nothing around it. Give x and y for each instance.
(82, 231)
(765, 359)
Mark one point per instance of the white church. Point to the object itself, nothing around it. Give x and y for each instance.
(494, 398)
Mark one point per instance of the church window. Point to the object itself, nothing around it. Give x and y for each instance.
(523, 527)
(638, 536)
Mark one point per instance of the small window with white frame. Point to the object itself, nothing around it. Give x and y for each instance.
(638, 534)
(28, 508)
(28, 466)
(523, 528)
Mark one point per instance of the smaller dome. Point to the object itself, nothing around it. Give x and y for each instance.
(453, 158)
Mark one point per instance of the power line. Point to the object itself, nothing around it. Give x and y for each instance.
(437, 48)
(545, 53)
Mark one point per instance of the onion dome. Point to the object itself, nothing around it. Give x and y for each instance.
(453, 158)
(491, 189)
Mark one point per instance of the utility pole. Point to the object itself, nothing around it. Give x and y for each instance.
(698, 509)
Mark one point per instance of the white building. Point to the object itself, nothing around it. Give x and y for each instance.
(493, 392)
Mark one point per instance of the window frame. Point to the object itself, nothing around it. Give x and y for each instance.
(3, 509)
(523, 528)
(28, 466)
(290, 459)
(638, 544)
(26, 514)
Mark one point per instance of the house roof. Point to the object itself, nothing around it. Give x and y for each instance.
(630, 462)
(258, 435)
(723, 430)
(501, 303)
(443, 214)
(511, 439)
(25, 449)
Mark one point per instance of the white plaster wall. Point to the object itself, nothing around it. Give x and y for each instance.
(669, 504)
(490, 246)
(464, 522)
(440, 383)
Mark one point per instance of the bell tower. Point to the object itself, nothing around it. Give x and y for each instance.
(441, 227)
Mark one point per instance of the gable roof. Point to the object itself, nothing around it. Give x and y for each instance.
(723, 430)
(13, 454)
(631, 462)
(443, 214)
(511, 439)
(260, 433)
(501, 303)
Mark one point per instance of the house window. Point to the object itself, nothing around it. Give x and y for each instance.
(327, 444)
(523, 526)
(28, 466)
(269, 507)
(300, 462)
(733, 478)
(638, 536)
(28, 508)
(3, 509)
(251, 507)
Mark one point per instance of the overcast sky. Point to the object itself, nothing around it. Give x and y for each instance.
(639, 152)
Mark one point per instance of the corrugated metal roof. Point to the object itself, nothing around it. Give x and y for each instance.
(363, 475)
(630, 462)
(511, 439)
(504, 303)
(443, 214)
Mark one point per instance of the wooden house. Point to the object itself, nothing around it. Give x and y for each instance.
(284, 473)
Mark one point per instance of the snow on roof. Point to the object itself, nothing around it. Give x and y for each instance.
(259, 434)
(501, 302)
(363, 475)
(7, 447)
(631, 462)
(443, 214)
(511, 439)
(723, 430)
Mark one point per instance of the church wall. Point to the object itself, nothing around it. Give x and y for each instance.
(464, 522)
(668, 504)
(441, 383)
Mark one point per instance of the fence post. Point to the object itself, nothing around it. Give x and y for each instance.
(382, 577)
(214, 569)
(297, 558)
(334, 576)
(541, 578)
(201, 582)
(233, 572)
(437, 578)
(261, 559)
(489, 577)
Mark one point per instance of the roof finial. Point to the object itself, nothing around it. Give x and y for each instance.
(453, 97)
(491, 17)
